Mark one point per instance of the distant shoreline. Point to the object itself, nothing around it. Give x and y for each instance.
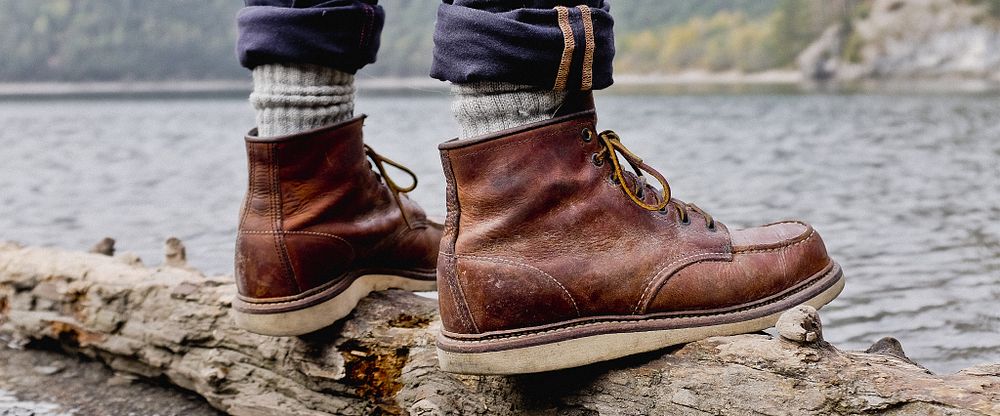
(119, 87)
(58, 89)
(689, 81)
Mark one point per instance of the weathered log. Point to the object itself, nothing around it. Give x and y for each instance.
(173, 323)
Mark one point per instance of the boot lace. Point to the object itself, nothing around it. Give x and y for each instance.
(612, 148)
(379, 162)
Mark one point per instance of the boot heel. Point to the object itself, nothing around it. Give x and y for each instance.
(290, 319)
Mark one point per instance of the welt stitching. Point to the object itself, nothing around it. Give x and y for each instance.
(514, 263)
(257, 302)
(588, 324)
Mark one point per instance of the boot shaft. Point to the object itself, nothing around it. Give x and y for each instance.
(303, 179)
(315, 212)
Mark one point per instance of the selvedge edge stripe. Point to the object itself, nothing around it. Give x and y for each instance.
(569, 45)
(588, 53)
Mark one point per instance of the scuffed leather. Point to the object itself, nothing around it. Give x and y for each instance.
(315, 211)
(538, 234)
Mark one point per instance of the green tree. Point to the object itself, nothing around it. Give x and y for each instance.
(113, 40)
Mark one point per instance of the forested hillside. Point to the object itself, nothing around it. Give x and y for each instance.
(110, 40)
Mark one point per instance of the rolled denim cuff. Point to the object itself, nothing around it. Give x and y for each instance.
(561, 45)
(338, 34)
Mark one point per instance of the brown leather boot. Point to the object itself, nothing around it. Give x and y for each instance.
(319, 230)
(555, 256)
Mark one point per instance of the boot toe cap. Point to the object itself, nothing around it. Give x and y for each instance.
(769, 236)
(780, 255)
(766, 261)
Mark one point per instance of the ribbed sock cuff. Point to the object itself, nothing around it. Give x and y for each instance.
(486, 107)
(293, 98)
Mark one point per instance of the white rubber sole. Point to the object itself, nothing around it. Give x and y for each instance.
(591, 349)
(322, 315)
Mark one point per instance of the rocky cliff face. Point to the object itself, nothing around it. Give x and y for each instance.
(911, 40)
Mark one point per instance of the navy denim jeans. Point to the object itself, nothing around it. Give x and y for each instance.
(558, 44)
(341, 34)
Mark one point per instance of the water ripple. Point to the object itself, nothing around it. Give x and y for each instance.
(905, 189)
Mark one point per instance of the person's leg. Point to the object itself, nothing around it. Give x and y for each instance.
(514, 62)
(554, 254)
(303, 54)
(319, 228)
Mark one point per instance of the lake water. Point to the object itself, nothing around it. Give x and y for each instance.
(904, 188)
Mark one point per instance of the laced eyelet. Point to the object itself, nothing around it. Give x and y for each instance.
(596, 160)
(711, 227)
(587, 135)
(686, 220)
(662, 210)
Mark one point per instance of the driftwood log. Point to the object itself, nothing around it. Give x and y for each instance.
(173, 323)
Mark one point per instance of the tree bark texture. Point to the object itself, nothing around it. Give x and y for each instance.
(172, 323)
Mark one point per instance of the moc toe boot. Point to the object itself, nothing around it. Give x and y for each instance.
(320, 229)
(555, 256)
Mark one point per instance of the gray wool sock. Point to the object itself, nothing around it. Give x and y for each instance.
(487, 107)
(293, 98)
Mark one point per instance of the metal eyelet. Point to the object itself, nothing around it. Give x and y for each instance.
(596, 160)
(587, 135)
(686, 220)
(662, 210)
(711, 227)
